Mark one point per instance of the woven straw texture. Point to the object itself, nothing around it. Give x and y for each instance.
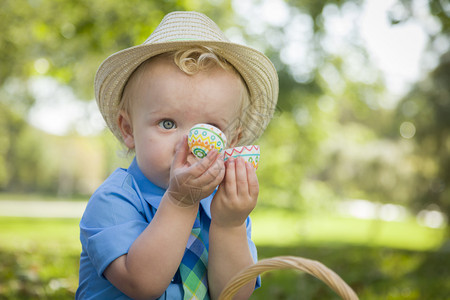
(311, 267)
(180, 30)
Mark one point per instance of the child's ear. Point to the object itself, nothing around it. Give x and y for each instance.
(126, 129)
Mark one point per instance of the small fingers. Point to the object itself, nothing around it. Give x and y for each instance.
(204, 164)
(181, 152)
(241, 177)
(253, 185)
(230, 176)
(214, 174)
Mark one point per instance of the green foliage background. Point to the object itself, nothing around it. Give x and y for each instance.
(330, 140)
(342, 143)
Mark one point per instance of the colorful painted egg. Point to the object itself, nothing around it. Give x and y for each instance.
(204, 137)
(249, 153)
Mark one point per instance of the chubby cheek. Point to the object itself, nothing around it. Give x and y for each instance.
(154, 160)
(161, 157)
(156, 167)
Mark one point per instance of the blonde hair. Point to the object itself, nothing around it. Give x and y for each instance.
(191, 61)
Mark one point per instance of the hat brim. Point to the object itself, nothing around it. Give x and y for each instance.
(255, 68)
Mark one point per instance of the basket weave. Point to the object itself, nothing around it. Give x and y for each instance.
(311, 267)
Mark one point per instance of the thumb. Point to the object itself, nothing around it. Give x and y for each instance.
(181, 152)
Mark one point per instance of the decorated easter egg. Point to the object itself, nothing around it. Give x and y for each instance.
(249, 153)
(203, 138)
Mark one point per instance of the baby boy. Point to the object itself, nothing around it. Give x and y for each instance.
(172, 226)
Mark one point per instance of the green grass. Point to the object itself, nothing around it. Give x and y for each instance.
(45, 233)
(286, 228)
(380, 260)
(373, 272)
(39, 197)
(38, 258)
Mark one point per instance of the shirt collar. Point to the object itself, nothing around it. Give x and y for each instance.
(153, 193)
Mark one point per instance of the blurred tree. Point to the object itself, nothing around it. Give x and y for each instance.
(343, 142)
(68, 39)
(425, 111)
(21, 153)
(424, 115)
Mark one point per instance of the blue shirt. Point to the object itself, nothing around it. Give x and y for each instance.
(115, 216)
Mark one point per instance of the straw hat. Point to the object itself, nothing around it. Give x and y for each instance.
(183, 29)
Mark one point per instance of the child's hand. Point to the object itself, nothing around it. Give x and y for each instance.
(190, 183)
(237, 194)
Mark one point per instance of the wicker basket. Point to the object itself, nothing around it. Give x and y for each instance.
(311, 267)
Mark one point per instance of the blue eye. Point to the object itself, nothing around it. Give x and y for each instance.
(167, 124)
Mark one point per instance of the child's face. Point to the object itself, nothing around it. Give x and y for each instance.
(166, 103)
